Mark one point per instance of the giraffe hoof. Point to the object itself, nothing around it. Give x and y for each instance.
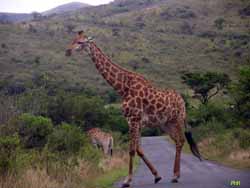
(157, 179)
(125, 185)
(174, 180)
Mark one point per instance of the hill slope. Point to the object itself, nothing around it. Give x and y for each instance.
(160, 39)
(19, 17)
(66, 8)
(14, 17)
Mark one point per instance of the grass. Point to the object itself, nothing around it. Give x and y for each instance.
(217, 148)
(225, 149)
(108, 179)
(86, 175)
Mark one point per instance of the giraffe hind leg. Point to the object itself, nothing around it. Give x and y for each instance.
(176, 134)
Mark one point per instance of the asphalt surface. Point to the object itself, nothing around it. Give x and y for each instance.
(194, 174)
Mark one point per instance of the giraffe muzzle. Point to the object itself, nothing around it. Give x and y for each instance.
(68, 52)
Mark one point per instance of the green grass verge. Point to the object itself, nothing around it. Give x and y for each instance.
(108, 179)
(219, 152)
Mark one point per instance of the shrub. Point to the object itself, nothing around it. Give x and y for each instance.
(8, 151)
(33, 130)
(219, 23)
(66, 139)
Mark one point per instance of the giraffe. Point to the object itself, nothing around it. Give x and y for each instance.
(101, 139)
(143, 105)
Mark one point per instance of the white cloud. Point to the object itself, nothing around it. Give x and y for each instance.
(27, 6)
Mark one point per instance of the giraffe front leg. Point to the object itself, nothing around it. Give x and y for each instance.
(134, 141)
(128, 180)
(149, 164)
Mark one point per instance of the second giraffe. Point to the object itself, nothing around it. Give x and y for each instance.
(101, 140)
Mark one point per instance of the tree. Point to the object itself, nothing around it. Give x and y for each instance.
(37, 16)
(207, 85)
(219, 23)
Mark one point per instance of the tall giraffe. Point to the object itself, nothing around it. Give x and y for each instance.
(142, 105)
(101, 139)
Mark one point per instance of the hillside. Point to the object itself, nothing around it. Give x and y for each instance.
(14, 17)
(19, 17)
(65, 8)
(160, 39)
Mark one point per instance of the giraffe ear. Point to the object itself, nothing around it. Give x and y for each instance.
(81, 33)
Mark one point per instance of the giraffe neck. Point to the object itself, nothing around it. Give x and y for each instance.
(115, 75)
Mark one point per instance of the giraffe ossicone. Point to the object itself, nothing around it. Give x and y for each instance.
(142, 104)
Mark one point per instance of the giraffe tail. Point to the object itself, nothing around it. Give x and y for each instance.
(111, 145)
(192, 144)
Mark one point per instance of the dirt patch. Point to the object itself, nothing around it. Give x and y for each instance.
(240, 155)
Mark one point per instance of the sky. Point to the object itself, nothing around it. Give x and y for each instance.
(27, 6)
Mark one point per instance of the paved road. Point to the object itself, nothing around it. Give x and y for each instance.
(194, 174)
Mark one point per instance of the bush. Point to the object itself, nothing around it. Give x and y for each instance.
(112, 96)
(149, 131)
(210, 112)
(120, 141)
(91, 154)
(33, 130)
(115, 120)
(207, 129)
(243, 135)
(8, 151)
(34, 102)
(83, 111)
(66, 139)
(240, 92)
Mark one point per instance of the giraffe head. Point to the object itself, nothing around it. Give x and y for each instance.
(78, 43)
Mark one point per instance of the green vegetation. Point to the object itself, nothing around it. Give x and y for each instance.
(33, 130)
(43, 133)
(48, 101)
(8, 152)
(219, 122)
